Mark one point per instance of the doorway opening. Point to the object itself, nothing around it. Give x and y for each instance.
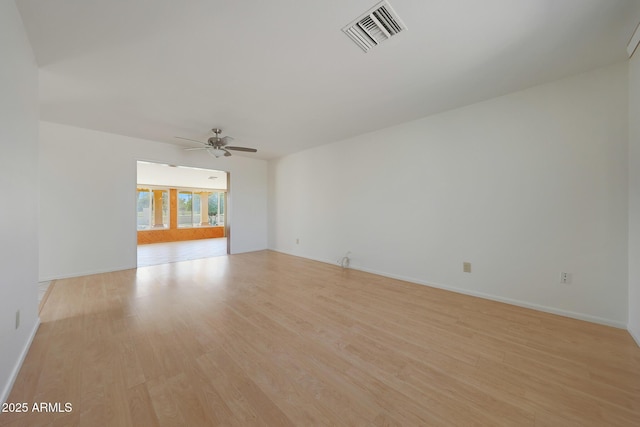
(181, 213)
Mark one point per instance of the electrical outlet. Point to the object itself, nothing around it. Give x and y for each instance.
(297, 241)
(466, 267)
(565, 278)
(17, 319)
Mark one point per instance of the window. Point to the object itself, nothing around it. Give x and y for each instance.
(216, 208)
(152, 209)
(185, 209)
(189, 212)
(196, 211)
(144, 209)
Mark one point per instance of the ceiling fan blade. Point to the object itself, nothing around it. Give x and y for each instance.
(226, 153)
(195, 148)
(248, 150)
(192, 140)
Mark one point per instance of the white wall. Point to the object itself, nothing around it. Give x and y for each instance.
(634, 196)
(87, 203)
(524, 187)
(19, 189)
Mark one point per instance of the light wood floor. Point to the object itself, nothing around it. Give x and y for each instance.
(269, 339)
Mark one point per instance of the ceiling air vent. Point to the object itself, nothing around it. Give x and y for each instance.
(375, 26)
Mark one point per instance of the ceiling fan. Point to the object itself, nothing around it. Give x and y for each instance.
(217, 146)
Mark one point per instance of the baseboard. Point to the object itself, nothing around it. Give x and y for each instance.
(46, 295)
(247, 250)
(85, 273)
(519, 303)
(325, 261)
(634, 335)
(16, 369)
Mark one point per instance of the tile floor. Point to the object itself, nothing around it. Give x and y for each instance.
(162, 253)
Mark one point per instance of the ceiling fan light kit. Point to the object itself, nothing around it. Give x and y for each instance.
(217, 152)
(217, 146)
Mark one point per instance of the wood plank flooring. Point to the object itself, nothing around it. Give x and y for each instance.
(266, 339)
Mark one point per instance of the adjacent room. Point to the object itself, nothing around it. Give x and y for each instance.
(179, 213)
(398, 213)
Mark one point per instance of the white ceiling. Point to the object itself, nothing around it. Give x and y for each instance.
(280, 75)
(161, 175)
